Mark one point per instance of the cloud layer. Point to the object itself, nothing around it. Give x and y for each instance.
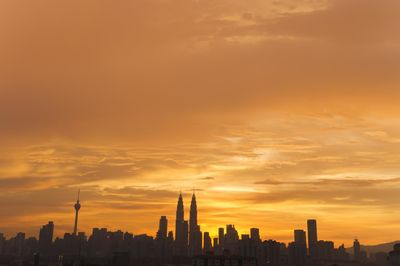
(275, 111)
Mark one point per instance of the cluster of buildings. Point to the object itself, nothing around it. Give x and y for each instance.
(189, 246)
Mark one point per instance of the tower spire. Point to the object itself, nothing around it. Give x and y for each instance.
(77, 207)
(180, 230)
(194, 230)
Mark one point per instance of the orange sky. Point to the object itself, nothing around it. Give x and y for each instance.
(275, 111)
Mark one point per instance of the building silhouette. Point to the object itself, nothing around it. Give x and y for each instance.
(190, 247)
(312, 238)
(356, 250)
(298, 249)
(255, 234)
(46, 238)
(207, 242)
(394, 256)
(162, 228)
(181, 230)
(77, 207)
(221, 242)
(195, 235)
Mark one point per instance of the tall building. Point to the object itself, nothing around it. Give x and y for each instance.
(20, 242)
(356, 249)
(77, 207)
(207, 242)
(179, 217)
(255, 235)
(193, 215)
(300, 237)
(231, 239)
(221, 236)
(215, 247)
(181, 230)
(271, 251)
(185, 238)
(195, 235)
(298, 249)
(46, 238)
(326, 250)
(312, 238)
(161, 242)
(162, 228)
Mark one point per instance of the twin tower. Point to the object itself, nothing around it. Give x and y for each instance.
(188, 237)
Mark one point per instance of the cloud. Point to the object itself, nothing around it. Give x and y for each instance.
(136, 77)
(293, 102)
(207, 178)
(321, 182)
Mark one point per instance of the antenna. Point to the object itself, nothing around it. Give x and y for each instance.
(79, 193)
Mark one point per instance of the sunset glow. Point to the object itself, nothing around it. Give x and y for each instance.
(275, 112)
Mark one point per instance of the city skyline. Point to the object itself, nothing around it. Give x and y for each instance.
(188, 245)
(307, 234)
(275, 111)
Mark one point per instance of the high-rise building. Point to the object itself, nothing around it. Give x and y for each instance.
(231, 239)
(46, 238)
(77, 207)
(221, 236)
(271, 251)
(298, 249)
(326, 249)
(300, 237)
(255, 234)
(185, 238)
(162, 228)
(181, 230)
(312, 238)
(193, 216)
(215, 247)
(20, 242)
(161, 238)
(207, 242)
(195, 235)
(356, 249)
(179, 217)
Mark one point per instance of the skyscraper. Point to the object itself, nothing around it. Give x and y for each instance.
(162, 228)
(179, 218)
(312, 238)
(221, 237)
(195, 235)
(46, 238)
(181, 229)
(300, 237)
(357, 249)
(193, 215)
(77, 207)
(185, 237)
(207, 242)
(255, 235)
(161, 238)
(19, 242)
(298, 249)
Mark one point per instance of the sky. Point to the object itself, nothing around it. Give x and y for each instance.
(273, 111)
